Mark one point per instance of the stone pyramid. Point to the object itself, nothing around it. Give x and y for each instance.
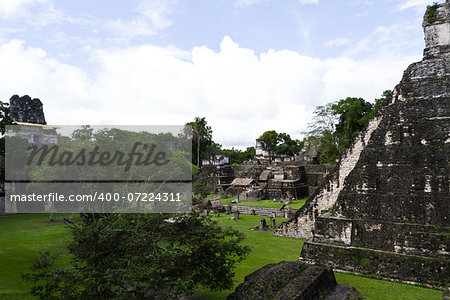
(385, 209)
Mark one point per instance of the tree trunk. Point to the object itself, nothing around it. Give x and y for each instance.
(198, 151)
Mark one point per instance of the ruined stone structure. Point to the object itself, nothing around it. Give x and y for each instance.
(385, 209)
(283, 180)
(264, 154)
(309, 154)
(215, 178)
(216, 160)
(263, 150)
(36, 134)
(293, 280)
(287, 182)
(264, 211)
(27, 110)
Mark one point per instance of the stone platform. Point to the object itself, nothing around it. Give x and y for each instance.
(293, 280)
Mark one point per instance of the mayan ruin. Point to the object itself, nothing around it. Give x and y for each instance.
(384, 210)
(245, 149)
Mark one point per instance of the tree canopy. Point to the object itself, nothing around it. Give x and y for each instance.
(353, 114)
(282, 143)
(140, 256)
(201, 139)
(336, 124)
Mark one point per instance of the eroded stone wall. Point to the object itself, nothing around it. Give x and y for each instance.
(27, 110)
(263, 211)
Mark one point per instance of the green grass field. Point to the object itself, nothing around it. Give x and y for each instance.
(266, 248)
(296, 204)
(25, 235)
(22, 238)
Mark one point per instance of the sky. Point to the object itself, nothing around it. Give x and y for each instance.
(247, 66)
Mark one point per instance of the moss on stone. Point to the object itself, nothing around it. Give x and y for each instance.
(432, 13)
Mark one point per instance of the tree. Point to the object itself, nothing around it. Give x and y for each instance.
(287, 145)
(336, 124)
(354, 114)
(321, 133)
(281, 142)
(86, 133)
(201, 138)
(234, 155)
(386, 95)
(271, 138)
(249, 153)
(5, 120)
(137, 256)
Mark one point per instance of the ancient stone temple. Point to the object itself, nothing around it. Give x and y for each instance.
(385, 209)
(26, 110)
(29, 114)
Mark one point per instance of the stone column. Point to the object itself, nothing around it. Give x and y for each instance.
(273, 223)
(262, 224)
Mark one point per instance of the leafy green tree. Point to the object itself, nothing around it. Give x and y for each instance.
(387, 95)
(321, 133)
(336, 124)
(83, 134)
(324, 121)
(354, 114)
(234, 155)
(249, 153)
(201, 138)
(112, 141)
(281, 142)
(214, 148)
(141, 256)
(271, 138)
(5, 120)
(287, 145)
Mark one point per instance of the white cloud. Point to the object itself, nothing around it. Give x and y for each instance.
(387, 39)
(26, 70)
(11, 8)
(347, 77)
(417, 4)
(129, 29)
(335, 43)
(34, 12)
(240, 94)
(157, 12)
(153, 17)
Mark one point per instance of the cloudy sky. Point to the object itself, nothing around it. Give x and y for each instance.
(246, 65)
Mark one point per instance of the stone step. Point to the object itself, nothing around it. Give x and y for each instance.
(383, 264)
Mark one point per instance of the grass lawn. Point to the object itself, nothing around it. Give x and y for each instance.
(272, 249)
(382, 289)
(25, 235)
(266, 248)
(296, 204)
(22, 238)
